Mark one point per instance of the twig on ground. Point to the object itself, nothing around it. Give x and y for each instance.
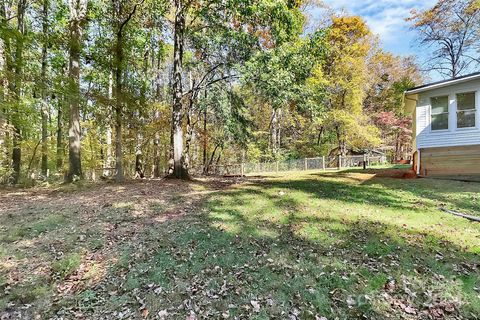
(459, 214)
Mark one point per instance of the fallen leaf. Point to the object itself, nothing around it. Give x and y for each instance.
(163, 314)
(410, 310)
(255, 305)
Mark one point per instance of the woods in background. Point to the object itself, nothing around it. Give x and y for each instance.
(148, 88)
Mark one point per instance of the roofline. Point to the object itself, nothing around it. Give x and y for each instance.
(443, 83)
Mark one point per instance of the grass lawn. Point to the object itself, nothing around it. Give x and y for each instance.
(299, 245)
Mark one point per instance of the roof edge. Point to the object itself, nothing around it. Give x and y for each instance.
(443, 83)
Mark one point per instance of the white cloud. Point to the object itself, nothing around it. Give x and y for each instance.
(386, 18)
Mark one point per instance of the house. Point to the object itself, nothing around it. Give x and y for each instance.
(446, 127)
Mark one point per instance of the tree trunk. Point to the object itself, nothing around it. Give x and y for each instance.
(44, 164)
(8, 83)
(189, 137)
(204, 137)
(17, 136)
(398, 146)
(342, 147)
(60, 153)
(119, 174)
(156, 153)
(107, 163)
(3, 96)
(207, 167)
(320, 135)
(108, 160)
(275, 131)
(156, 141)
(180, 171)
(78, 10)
(44, 108)
(139, 170)
(118, 58)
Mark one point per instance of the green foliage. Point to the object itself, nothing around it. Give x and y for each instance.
(256, 86)
(277, 76)
(66, 265)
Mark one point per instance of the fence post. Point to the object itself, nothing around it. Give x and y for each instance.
(323, 163)
(364, 161)
(339, 162)
(306, 164)
(368, 160)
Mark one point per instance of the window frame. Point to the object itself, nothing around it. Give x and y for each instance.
(434, 114)
(475, 110)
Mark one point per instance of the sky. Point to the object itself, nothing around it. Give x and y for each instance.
(386, 18)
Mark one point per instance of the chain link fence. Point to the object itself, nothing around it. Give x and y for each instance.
(318, 163)
(241, 169)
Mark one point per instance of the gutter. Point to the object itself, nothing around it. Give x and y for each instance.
(442, 84)
(418, 161)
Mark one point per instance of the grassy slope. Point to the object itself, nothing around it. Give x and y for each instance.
(345, 245)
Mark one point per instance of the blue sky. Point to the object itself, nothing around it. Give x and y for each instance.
(386, 18)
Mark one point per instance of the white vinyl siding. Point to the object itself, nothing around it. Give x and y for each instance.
(427, 137)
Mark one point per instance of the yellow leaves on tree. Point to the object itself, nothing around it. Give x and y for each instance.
(354, 128)
(346, 71)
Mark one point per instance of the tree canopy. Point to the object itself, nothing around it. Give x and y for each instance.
(147, 88)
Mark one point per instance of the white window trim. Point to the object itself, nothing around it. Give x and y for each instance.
(477, 114)
(452, 112)
(477, 105)
(430, 113)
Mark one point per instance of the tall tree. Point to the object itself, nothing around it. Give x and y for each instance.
(78, 14)
(350, 42)
(226, 30)
(122, 19)
(451, 30)
(179, 167)
(16, 90)
(44, 110)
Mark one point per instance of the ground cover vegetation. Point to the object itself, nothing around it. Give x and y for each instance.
(302, 245)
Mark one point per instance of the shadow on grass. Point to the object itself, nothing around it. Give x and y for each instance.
(253, 253)
(457, 195)
(264, 251)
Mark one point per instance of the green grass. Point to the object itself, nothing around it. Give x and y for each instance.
(66, 265)
(358, 231)
(344, 245)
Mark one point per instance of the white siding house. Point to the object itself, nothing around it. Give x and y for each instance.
(446, 126)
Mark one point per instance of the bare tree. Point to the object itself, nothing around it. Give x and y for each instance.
(450, 30)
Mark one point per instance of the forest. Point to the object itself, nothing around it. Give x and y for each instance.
(101, 101)
(132, 89)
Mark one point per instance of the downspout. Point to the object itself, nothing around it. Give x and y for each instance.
(418, 160)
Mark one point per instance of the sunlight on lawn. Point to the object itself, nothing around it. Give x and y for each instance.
(302, 244)
(365, 229)
(400, 205)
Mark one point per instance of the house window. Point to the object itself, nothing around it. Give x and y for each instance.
(466, 110)
(439, 113)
